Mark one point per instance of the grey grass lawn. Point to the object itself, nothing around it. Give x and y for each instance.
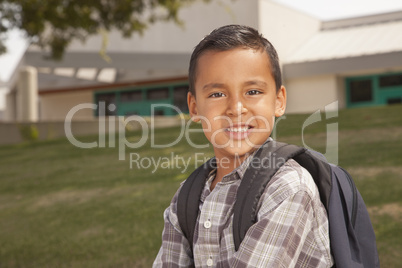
(62, 206)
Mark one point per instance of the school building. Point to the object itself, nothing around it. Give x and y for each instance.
(356, 62)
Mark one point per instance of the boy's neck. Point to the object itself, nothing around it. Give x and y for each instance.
(225, 165)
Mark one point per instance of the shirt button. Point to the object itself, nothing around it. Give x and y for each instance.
(207, 224)
(210, 262)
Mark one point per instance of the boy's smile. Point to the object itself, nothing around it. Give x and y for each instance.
(236, 100)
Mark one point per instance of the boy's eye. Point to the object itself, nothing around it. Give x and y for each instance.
(216, 95)
(253, 92)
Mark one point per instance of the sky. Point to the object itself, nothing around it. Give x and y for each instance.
(322, 9)
(16, 46)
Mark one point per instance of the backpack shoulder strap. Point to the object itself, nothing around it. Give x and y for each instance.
(320, 170)
(189, 199)
(266, 162)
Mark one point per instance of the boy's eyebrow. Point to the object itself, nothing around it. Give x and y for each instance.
(255, 83)
(213, 85)
(247, 83)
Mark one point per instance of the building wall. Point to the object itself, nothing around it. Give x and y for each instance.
(27, 95)
(306, 95)
(57, 105)
(199, 19)
(10, 113)
(341, 91)
(3, 101)
(285, 27)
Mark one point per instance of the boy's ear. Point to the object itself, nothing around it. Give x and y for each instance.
(192, 107)
(280, 103)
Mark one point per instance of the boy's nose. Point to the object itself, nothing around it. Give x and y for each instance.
(236, 108)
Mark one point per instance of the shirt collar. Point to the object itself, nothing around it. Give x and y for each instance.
(238, 172)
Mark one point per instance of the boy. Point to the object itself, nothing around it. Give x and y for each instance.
(236, 92)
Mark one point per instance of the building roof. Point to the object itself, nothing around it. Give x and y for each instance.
(141, 67)
(355, 37)
(53, 82)
(120, 60)
(108, 86)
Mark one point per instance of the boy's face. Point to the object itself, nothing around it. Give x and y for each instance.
(236, 100)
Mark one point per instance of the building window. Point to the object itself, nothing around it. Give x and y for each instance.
(391, 80)
(130, 96)
(159, 112)
(129, 113)
(180, 98)
(391, 101)
(153, 99)
(106, 104)
(158, 93)
(361, 91)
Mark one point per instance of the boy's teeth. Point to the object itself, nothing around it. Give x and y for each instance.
(244, 129)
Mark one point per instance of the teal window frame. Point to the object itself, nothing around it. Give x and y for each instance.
(141, 107)
(380, 95)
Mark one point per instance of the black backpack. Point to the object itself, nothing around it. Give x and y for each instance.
(352, 237)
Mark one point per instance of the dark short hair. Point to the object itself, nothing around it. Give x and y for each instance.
(230, 37)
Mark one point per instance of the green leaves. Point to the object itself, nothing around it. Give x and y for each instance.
(53, 24)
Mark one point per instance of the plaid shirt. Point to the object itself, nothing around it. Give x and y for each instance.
(291, 228)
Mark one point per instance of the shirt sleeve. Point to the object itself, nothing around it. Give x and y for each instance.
(292, 227)
(175, 250)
